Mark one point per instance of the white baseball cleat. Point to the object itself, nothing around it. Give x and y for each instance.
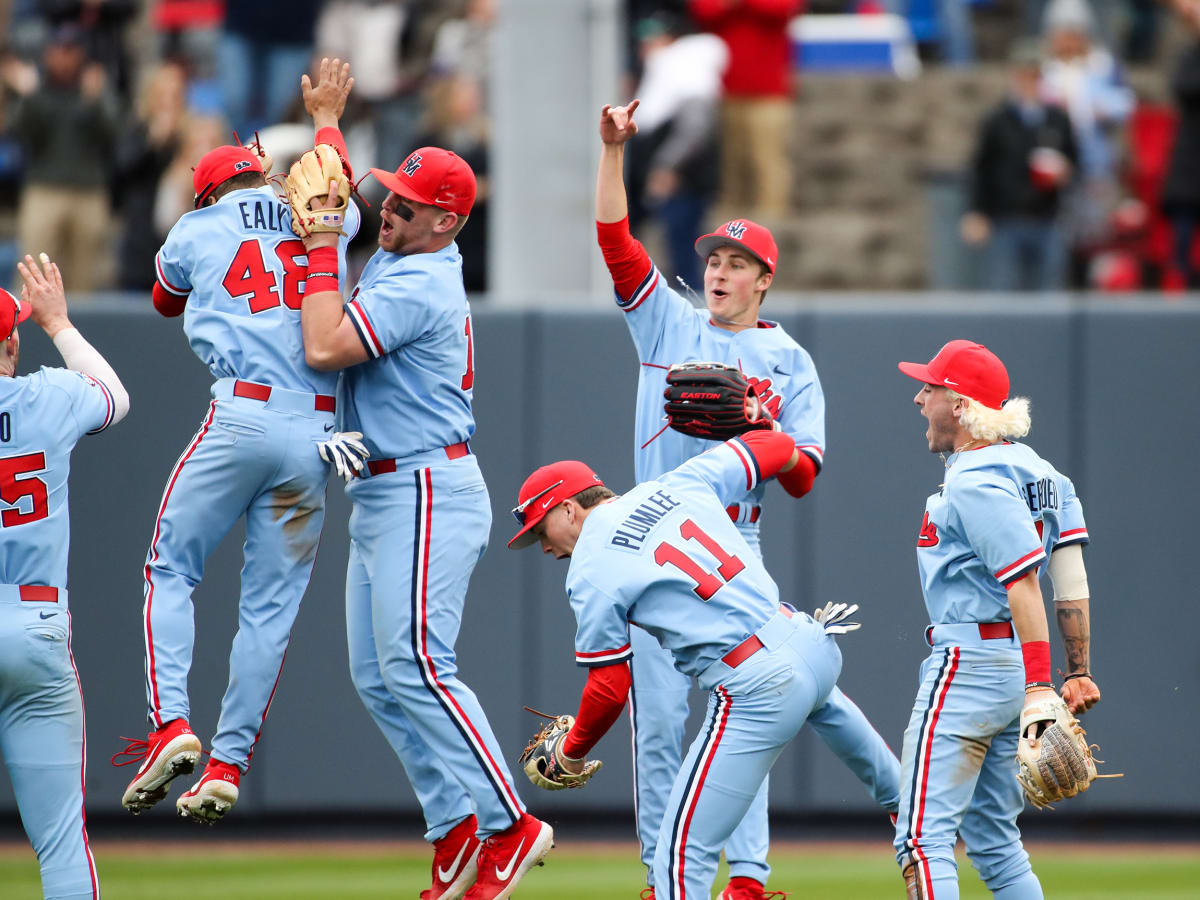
(213, 795)
(167, 753)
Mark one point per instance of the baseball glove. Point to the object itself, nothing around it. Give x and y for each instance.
(713, 401)
(1056, 761)
(308, 180)
(542, 758)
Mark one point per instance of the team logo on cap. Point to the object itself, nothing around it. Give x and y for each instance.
(735, 230)
(411, 165)
(242, 164)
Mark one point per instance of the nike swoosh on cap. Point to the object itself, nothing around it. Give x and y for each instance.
(503, 874)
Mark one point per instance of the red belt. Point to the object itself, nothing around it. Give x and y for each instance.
(748, 647)
(735, 513)
(384, 466)
(253, 391)
(990, 631)
(38, 593)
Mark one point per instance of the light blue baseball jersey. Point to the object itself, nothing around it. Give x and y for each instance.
(1002, 511)
(42, 416)
(243, 271)
(666, 557)
(666, 330)
(418, 398)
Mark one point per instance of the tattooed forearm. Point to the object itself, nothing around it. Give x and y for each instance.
(1073, 625)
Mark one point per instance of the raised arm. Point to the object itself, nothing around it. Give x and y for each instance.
(616, 127)
(330, 339)
(42, 287)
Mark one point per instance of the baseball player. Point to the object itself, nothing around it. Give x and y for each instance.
(236, 272)
(42, 417)
(421, 518)
(1001, 514)
(740, 259)
(667, 557)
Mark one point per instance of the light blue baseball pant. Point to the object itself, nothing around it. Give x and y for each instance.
(42, 740)
(415, 537)
(959, 767)
(258, 459)
(753, 711)
(658, 710)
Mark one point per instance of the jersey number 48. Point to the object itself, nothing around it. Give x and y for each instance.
(249, 277)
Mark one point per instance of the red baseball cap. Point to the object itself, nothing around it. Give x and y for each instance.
(755, 239)
(12, 313)
(966, 368)
(435, 177)
(545, 489)
(218, 166)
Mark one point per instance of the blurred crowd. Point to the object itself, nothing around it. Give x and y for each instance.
(1072, 182)
(105, 105)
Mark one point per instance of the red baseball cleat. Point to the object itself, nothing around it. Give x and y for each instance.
(740, 888)
(455, 861)
(647, 893)
(504, 858)
(213, 795)
(165, 754)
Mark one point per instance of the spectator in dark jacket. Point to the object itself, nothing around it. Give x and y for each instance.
(1181, 192)
(1025, 155)
(64, 202)
(144, 152)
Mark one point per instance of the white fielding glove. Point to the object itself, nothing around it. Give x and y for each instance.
(833, 617)
(344, 451)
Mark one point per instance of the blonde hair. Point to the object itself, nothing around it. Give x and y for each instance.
(1010, 421)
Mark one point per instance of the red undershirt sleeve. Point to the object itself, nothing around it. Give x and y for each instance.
(603, 699)
(167, 303)
(799, 480)
(627, 260)
(333, 137)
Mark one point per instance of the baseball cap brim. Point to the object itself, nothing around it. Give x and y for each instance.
(919, 371)
(710, 242)
(525, 537)
(392, 182)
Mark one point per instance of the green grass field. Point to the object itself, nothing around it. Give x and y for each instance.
(364, 871)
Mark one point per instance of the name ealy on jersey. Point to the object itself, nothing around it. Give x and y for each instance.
(265, 215)
(634, 528)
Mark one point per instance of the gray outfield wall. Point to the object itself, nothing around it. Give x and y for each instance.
(1113, 387)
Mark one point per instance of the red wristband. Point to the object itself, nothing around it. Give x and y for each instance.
(1037, 661)
(322, 271)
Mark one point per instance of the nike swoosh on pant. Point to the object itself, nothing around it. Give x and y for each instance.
(444, 875)
(503, 874)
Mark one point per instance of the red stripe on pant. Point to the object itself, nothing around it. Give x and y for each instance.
(87, 847)
(151, 668)
(426, 538)
(942, 690)
(710, 751)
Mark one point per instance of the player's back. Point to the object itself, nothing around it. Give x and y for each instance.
(1002, 512)
(668, 552)
(40, 423)
(245, 271)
